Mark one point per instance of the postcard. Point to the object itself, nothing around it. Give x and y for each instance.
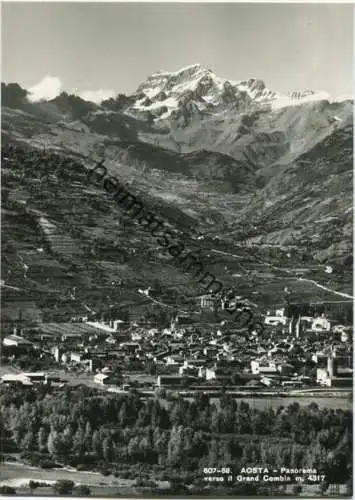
(177, 250)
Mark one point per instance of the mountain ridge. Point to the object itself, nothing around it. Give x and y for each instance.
(232, 170)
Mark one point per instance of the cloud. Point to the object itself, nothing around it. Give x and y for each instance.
(51, 86)
(96, 96)
(48, 88)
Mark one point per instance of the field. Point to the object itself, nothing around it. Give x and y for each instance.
(19, 475)
(274, 402)
(59, 329)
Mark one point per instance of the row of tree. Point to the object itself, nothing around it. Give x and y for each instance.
(81, 426)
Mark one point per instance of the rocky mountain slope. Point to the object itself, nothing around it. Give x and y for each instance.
(232, 165)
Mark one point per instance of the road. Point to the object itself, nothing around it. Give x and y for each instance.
(290, 272)
(326, 288)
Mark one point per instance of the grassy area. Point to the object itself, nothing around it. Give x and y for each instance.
(18, 476)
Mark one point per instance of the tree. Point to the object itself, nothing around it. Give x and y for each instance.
(161, 445)
(217, 420)
(133, 447)
(177, 413)
(144, 447)
(42, 440)
(324, 485)
(143, 418)
(213, 456)
(96, 443)
(176, 445)
(202, 401)
(67, 441)
(63, 487)
(7, 490)
(122, 416)
(28, 442)
(107, 449)
(297, 489)
(12, 95)
(88, 436)
(78, 441)
(82, 490)
(53, 443)
(32, 486)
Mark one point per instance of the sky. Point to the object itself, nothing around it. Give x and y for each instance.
(100, 49)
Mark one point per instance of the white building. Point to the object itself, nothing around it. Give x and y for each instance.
(210, 373)
(266, 381)
(105, 379)
(111, 340)
(39, 377)
(346, 335)
(338, 328)
(17, 341)
(321, 324)
(207, 302)
(174, 359)
(278, 319)
(12, 378)
(263, 367)
(76, 357)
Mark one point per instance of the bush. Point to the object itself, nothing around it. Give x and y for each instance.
(165, 476)
(82, 490)
(81, 467)
(38, 484)
(7, 490)
(63, 487)
(38, 460)
(33, 458)
(48, 464)
(146, 483)
(297, 489)
(177, 488)
(32, 485)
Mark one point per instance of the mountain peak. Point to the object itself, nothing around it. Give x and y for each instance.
(197, 87)
(186, 71)
(196, 90)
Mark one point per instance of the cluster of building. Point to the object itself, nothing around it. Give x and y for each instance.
(301, 325)
(32, 378)
(292, 352)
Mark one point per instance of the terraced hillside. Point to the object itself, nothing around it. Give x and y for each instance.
(259, 189)
(67, 245)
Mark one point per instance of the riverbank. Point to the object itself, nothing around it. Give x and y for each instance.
(18, 475)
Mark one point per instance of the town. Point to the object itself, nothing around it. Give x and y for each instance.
(295, 353)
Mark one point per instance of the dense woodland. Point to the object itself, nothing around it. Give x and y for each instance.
(111, 433)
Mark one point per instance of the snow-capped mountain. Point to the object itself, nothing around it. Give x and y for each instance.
(193, 109)
(198, 90)
(207, 154)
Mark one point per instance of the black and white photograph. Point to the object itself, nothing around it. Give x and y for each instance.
(176, 249)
